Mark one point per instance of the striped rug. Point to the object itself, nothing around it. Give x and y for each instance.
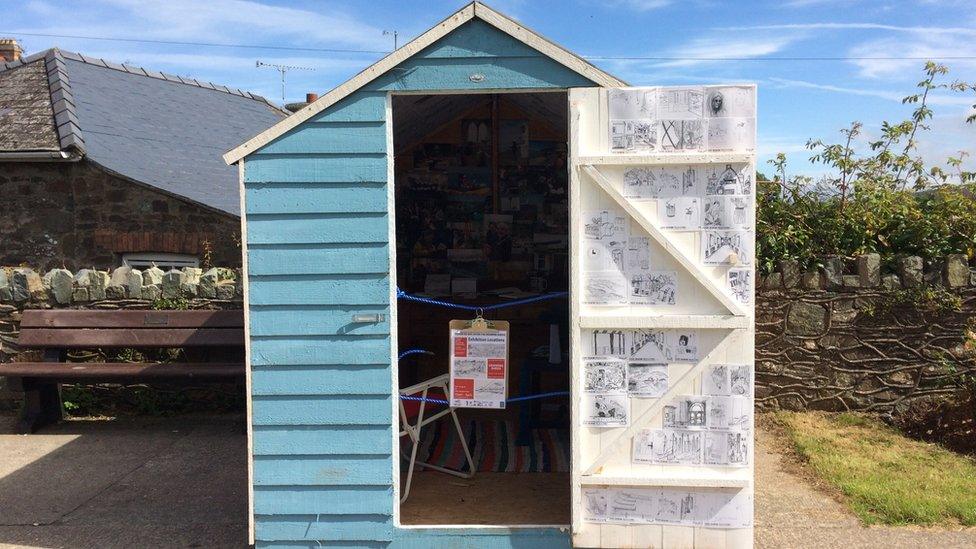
(493, 447)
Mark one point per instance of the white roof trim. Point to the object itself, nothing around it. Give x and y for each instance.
(462, 16)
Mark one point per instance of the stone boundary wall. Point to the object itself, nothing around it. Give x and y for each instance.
(850, 335)
(22, 288)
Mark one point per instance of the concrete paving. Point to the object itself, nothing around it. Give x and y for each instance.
(159, 482)
(181, 482)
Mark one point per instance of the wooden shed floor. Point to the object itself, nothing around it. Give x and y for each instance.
(488, 498)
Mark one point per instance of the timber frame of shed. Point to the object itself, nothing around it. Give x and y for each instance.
(318, 234)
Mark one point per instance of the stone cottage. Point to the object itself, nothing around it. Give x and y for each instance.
(104, 164)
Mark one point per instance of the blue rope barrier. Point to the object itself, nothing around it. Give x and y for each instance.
(495, 306)
(409, 352)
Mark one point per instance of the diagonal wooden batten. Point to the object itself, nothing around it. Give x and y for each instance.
(674, 390)
(661, 238)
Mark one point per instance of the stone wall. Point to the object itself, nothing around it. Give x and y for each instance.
(862, 334)
(849, 335)
(122, 288)
(76, 215)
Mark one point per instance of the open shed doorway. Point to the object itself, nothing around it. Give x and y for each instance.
(482, 217)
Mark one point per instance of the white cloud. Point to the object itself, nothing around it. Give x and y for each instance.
(213, 21)
(898, 57)
(637, 5)
(704, 50)
(933, 99)
(859, 26)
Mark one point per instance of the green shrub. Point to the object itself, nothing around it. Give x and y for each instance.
(884, 200)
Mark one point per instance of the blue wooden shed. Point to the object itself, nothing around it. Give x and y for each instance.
(317, 205)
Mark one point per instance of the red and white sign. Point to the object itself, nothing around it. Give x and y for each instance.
(479, 368)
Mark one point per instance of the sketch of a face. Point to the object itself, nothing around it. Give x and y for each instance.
(683, 341)
(716, 103)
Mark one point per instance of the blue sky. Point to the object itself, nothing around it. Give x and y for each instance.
(798, 99)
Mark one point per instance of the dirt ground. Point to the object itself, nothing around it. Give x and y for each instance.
(488, 498)
(181, 482)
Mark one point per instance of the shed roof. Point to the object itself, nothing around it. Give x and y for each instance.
(161, 130)
(474, 10)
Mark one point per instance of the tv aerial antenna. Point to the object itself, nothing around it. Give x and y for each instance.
(282, 69)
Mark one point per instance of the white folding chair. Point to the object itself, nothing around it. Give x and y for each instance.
(412, 420)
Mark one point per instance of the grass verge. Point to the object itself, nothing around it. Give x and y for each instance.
(885, 477)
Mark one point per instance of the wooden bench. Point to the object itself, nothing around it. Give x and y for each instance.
(213, 340)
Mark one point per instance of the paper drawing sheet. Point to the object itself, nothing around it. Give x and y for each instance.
(647, 379)
(729, 179)
(684, 345)
(739, 282)
(606, 410)
(605, 343)
(606, 288)
(730, 102)
(731, 134)
(654, 287)
(605, 376)
(662, 181)
(721, 508)
(726, 247)
(633, 124)
(726, 448)
(479, 366)
(668, 446)
(727, 212)
(649, 346)
(680, 212)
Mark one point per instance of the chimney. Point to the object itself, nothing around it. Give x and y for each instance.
(10, 49)
(309, 98)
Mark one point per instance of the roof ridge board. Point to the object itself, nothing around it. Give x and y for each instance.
(138, 71)
(391, 61)
(62, 101)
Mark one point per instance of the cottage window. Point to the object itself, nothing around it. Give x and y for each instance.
(160, 259)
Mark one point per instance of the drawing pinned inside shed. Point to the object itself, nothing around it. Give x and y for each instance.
(341, 213)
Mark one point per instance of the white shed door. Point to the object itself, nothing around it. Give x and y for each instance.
(663, 232)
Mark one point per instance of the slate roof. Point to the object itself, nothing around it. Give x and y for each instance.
(158, 129)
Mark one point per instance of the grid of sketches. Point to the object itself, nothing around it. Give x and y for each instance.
(731, 112)
(606, 410)
(633, 125)
(718, 508)
(727, 380)
(708, 412)
(668, 446)
(617, 267)
(662, 346)
(726, 448)
(663, 181)
(727, 247)
(739, 281)
(647, 379)
(682, 119)
(730, 179)
(726, 212)
(679, 212)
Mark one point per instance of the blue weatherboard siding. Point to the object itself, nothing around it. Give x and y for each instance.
(318, 252)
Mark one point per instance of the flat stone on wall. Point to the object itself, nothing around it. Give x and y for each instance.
(865, 344)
